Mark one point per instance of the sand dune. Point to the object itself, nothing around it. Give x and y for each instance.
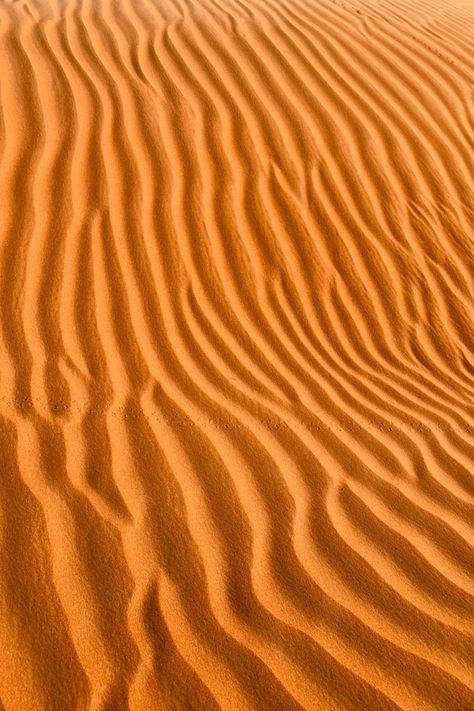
(237, 355)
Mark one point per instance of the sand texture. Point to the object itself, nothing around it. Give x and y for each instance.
(236, 355)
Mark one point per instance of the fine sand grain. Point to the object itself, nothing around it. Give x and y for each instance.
(236, 355)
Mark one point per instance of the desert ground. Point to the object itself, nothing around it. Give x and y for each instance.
(236, 355)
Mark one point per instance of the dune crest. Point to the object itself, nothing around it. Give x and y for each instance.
(237, 355)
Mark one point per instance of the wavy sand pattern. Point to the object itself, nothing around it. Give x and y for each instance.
(237, 355)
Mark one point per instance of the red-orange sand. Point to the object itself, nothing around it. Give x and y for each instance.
(236, 355)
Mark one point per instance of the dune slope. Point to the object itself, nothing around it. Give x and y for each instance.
(236, 355)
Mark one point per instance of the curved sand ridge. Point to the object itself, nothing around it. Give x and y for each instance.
(237, 360)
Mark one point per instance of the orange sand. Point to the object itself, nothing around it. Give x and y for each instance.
(236, 355)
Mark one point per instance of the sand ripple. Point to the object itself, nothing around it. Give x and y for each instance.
(237, 355)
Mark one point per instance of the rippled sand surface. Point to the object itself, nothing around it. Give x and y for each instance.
(236, 355)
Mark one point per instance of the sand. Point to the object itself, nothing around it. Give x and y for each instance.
(236, 355)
